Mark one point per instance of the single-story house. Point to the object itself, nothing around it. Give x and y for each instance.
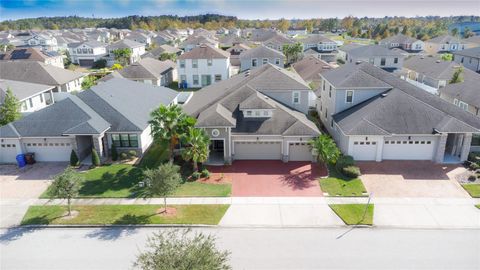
(32, 96)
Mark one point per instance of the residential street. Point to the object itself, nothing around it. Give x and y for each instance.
(87, 248)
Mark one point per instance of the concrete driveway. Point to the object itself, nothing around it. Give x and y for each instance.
(19, 188)
(412, 179)
(267, 178)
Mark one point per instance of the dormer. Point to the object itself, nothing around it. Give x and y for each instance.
(257, 106)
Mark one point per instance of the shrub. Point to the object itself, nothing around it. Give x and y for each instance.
(344, 161)
(474, 166)
(114, 153)
(74, 159)
(101, 63)
(205, 173)
(123, 156)
(195, 175)
(95, 158)
(351, 171)
(472, 178)
(340, 61)
(132, 154)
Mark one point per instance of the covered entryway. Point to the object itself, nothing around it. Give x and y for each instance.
(396, 149)
(86, 62)
(364, 150)
(8, 152)
(299, 151)
(257, 150)
(216, 155)
(58, 149)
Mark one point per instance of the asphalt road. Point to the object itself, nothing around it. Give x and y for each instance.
(252, 248)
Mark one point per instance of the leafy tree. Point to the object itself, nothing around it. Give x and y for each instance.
(468, 33)
(197, 147)
(457, 76)
(74, 161)
(95, 158)
(122, 56)
(7, 47)
(326, 149)
(180, 250)
(162, 181)
(293, 51)
(168, 56)
(170, 123)
(116, 66)
(454, 32)
(100, 63)
(66, 186)
(88, 82)
(10, 109)
(283, 25)
(447, 57)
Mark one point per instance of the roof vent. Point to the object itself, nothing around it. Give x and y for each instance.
(358, 62)
(384, 94)
(437, 61)
(422, 57)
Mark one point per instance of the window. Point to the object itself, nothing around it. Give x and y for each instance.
(125, 140)
(249, 113)
(182, 63)
(209, 62)
(296, 97)
(183, 78)
(265, 113)
(475, 140)
(194, 63)
(264, 61)
(257, 113)
(31, 102)
(195, 79)
(323, 85)
(382, 61)
(395, 60)
(463, 105)
(349, 97)
(277, 61)
(41, 97)
(218, 77)
(254, 62)
(206, 80)
(330, 92)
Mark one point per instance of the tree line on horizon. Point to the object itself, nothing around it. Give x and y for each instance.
(365, 27)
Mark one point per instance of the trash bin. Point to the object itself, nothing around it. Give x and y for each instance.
(30, 158)
(21, 160)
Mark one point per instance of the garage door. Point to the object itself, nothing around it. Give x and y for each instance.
(299, 152)
(364, 150)
(258, 150)
(86, 62)
(8, 152)
(52, 150)
(408, 150)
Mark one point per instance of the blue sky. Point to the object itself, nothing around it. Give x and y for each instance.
(247, 9)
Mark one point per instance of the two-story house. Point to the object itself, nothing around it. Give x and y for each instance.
(374, 115)
(32, 96)
(403, 42)
(202, 66)
(136, 49)
(255, 115)
(377, 55)
(321, 47)
(277, 41)
(444, 44)
(46, 42)
(469, 58)
(195, 41)
(235, 52)
(86, 53)
(63, 80)
(259, 56)
(140, 38)
(33, 54)
(429, 70)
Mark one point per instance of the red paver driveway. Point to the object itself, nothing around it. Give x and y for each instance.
(271, 178)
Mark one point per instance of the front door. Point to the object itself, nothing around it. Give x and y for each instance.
(206, 80)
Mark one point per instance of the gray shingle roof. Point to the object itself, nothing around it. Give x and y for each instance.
(310, 67)
(316, 39)
(467, 91)
(23, 90)
(405, 109)
(205, 52)
(351, 75)
(372, 51)
(261, 52)
(444, 39)
(124, 44)
(431, 67)
(147, 68)
(126, 104)
(90, 43)
(472, 52)
(36, 72)
(399, 38)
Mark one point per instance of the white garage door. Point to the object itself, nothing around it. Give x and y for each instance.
(364, 150)
(299, 152)
(408, 150)
(51, 150)
(258, 150)
(8, 152)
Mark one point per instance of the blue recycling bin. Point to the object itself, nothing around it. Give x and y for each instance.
(21, 160)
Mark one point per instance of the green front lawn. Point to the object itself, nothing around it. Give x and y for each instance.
(156, 155)
(337, 184)
(194, 189)
(478, 206)
(472, 189)
(352, 214)
(125, 214)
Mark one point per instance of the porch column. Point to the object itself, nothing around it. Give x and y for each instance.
(467, 141)
(75, 145)
(97, 144)
(379, 155)
(442, 143)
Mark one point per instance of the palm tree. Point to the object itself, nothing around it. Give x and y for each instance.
(169, 123)
(197, 149)
(326, 149)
